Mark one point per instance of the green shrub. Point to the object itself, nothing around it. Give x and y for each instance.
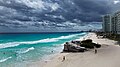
(88, 44)
(97, 45)
(86, 41)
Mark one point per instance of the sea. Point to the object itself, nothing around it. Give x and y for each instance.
(16, 50)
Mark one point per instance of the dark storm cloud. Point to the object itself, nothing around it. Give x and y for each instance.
(90, 10)
(93, 6)
(52, 14)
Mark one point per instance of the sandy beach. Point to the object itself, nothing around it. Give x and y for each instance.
(107, 56)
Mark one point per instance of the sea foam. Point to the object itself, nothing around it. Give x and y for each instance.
(3, 60)
(13, 44)
(47, 40)
(25, 51)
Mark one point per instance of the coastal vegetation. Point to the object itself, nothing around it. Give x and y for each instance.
(89, 44)
(110, 36)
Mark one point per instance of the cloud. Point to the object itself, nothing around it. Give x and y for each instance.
(52, 15)
(116, 2)
(39, 4)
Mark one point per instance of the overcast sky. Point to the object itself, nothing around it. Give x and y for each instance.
(53, 15)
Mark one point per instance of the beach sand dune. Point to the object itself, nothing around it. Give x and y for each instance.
(108, 56)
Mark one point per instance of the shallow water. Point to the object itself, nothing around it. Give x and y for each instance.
(18, 49)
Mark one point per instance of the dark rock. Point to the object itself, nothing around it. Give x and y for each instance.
(71, 47)
(77, 46)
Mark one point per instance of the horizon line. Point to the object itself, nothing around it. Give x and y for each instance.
(38, 32)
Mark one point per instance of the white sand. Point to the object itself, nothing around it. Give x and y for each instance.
(108, 56)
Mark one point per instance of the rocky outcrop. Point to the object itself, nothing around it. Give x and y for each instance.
(71, 47)
(80, 46)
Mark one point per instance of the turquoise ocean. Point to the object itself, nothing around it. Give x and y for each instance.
(18, 49)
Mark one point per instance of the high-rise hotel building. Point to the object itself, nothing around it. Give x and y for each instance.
(117, 20)
(111, 23)
(107, 23)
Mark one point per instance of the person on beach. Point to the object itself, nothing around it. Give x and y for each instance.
(95, 51)
(52, 51)
(4, 53)
(63, 58)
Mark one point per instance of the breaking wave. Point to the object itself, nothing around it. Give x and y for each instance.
(13, 44)
(3, 60)
(27, 50)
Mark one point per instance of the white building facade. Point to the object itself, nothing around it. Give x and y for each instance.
(111, 23)
(117, 20)
(107, 23)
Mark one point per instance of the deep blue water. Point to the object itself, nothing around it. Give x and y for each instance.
(16, 49)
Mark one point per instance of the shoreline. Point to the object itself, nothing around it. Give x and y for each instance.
(76, 59)
(49, 58)
(43, 62)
